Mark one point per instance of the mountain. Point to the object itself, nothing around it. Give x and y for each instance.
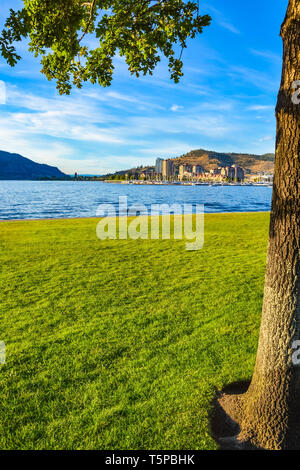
(15, 167)
(209, 160)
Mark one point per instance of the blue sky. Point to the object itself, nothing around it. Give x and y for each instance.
(225, 102)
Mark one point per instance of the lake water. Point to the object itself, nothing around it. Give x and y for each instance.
(63, 199)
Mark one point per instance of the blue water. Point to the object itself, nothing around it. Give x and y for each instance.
(62, 199)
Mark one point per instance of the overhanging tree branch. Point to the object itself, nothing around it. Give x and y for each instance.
(142, 31)
(92, 4)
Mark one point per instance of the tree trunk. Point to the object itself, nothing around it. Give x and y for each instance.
(269, 412)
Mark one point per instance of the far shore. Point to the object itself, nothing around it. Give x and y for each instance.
(186, 183)
(149, 183)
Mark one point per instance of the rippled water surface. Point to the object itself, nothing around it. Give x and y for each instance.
(59, 199)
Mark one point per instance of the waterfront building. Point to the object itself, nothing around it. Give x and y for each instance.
(239, 174)
(233, 172)
(215, 171)
(197, 169)
(159, 166)
(185, 172)
(168, 169)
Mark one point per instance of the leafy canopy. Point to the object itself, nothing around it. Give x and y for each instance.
(77, 40)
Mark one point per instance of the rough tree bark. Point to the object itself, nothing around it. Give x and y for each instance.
(269, 412)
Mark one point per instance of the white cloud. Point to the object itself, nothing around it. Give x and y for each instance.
(121, 97)
(260, 107)
(220, 18)
(259, 79)
(2, 92)
(167, 149)
(267, 138)
(276, 58)
(176, 108)
(229, 26)
(64, 118)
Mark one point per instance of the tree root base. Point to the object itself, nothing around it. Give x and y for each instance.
(225, 427)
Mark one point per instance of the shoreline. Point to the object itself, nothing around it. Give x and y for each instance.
(152, 183)
(97, 217)
(186, 183)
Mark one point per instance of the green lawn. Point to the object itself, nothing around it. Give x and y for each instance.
(122, 344)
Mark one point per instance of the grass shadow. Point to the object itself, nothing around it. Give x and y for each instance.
(223, 429)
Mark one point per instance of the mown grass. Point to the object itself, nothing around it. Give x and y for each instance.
(122, 344)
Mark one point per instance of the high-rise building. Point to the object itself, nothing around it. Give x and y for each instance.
(181, 170)
(167, 168)
(186, 168)
(185, 172)
(233, 172)
(239, 174)
(159, 166)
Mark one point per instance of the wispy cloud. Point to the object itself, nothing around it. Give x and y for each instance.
(271, 56)
(267, 138)
(260, 107)
(254, 77)
(72, 127)
(229, 27)
(220, 18)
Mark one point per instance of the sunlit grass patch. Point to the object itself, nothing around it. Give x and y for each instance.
(121, 344)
